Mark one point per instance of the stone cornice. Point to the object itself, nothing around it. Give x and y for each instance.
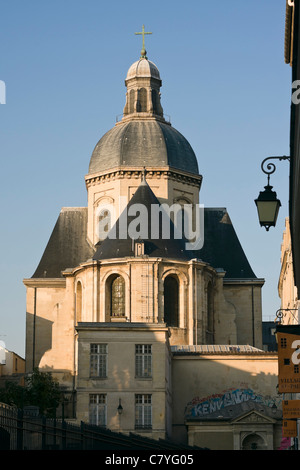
(254, 281)
(125, 326)
(142, 117)
(137, 173)
(227, 355)
(45, 282)
(197, 263)
(137, 259)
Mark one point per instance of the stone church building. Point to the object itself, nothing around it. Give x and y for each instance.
(128, 324)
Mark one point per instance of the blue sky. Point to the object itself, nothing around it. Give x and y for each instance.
(225, 86)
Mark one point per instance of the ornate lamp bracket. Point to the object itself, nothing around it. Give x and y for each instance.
(280, 313)
(269, 168)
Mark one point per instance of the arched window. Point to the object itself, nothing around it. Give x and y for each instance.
(142, 100)
(171, 300)
(117, 297)
(78, 301)
(131, 101)
(155, 101)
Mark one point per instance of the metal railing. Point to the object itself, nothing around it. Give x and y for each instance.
(25, 430)
(22, 430)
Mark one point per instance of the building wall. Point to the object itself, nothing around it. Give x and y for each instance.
(286, 285)
(121, 382)
(14, 364)
(114, 189)
(292, 46)
(245, 297)
(54, 306)
(50, 327)
(144, 280)
(198, 376)
(62, 345)
(215, 436)
(256, 429)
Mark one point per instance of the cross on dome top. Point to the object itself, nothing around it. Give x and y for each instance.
(143, 51)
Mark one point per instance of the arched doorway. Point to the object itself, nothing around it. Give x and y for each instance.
(171, 300)
(253, 442)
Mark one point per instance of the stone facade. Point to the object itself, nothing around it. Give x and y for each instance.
(286, 284)
(99, 309)
(113, 189)
(121, 383)
(14, 365)
(239, 388)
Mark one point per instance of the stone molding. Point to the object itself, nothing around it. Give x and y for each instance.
(133, 173)
(45, 282)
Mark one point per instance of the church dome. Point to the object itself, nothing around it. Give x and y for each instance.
(143, 68)
(139, 143)
(143, 138)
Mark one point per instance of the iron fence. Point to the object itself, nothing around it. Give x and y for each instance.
(27, 430)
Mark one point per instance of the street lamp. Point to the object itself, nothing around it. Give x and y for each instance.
(120, 407)
(267, 207)
(267, 203)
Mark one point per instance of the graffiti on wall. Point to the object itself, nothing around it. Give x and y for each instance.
(204, 406)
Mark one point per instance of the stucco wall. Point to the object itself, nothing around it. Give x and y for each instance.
(121, 381)
(196, 377)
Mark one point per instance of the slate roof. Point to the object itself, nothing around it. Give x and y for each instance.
(213, 349)
(67, 246)
(147, 143)
(162, 247)
(222, 248)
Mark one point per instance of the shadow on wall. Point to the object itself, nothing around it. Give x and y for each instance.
(38, 339)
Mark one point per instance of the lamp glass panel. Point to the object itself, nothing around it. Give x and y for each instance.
(267, 211)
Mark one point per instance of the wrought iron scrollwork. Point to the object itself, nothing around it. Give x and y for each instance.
(269, 168)
(280, 313)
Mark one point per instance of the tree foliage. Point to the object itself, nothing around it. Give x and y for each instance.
(12, 394)
(40, 390)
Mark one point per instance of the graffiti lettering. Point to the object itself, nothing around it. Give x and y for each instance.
(216, 402)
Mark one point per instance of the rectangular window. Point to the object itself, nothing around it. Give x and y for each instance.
(283, 343)
(97, 409)
(98, 360)
(143, 411)
(143, 360)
